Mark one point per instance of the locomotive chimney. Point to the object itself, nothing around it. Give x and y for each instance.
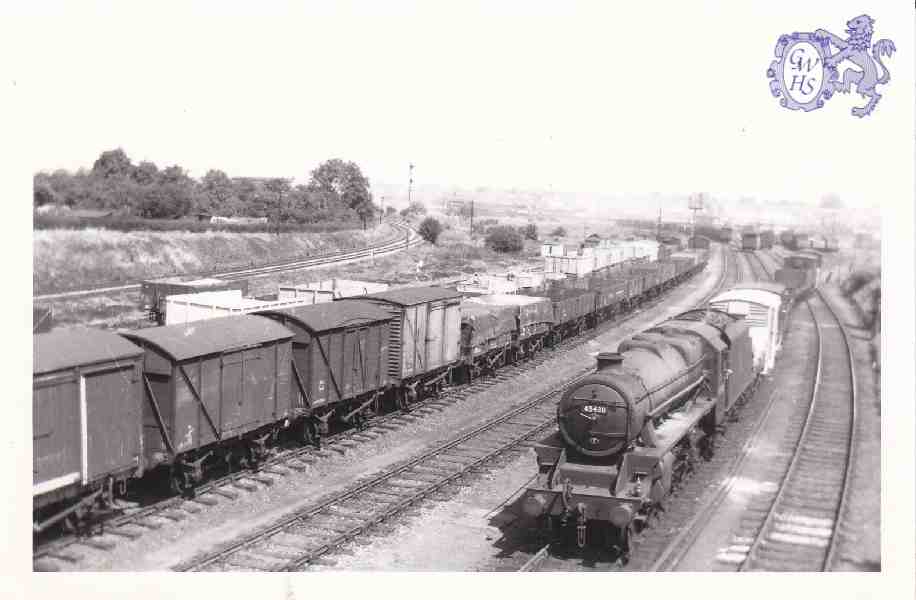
(607, 359)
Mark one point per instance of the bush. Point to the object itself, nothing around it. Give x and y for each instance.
(530, 232)
(52, 221)
(558, 232)
(415, 209)
(505, 239)
(430, 229)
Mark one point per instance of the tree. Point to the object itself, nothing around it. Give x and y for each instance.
(278, 188)
(218, 188)
(42, 191)
(390, 210)
(415, 209)
(504, 239)
(113, 163)
(530, 232)
(366, 211)
(341, 181)
(146, 173)
(558, 232)
(430, 229)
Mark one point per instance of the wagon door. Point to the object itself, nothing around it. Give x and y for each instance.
(365, 371)
(413, 336)
(55, 431)
(302, 375)
(112, 427)
(258, 403)
(232, 392)
(435, 338)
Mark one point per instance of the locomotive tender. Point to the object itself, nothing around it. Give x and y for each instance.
(629, 431)
(110, 409)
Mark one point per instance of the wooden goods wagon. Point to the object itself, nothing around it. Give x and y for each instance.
(487, 330)
(86, 418)
(212, 385)
(424, 331)
(534, 313)
(340, 353)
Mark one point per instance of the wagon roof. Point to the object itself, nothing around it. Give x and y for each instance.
(211, 336)
(333, 315)
(767, 286)
(753, 295)
(58, 350)
(410, 296)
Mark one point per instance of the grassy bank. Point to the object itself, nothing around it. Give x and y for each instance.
(73, 259)
(454, 257)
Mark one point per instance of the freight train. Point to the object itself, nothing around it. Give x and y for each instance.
(171, 401)
(629, 431)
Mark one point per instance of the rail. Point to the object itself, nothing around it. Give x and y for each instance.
(793, 536)
(408, 239)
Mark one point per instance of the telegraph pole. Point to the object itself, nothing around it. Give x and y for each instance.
(409, 184)
(382, 211)
(472, 218)
(695, 203)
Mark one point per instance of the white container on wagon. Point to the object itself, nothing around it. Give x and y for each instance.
(489, 284)
(327, 290)
(187, 308)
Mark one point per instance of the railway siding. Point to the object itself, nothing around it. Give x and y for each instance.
(160, 548)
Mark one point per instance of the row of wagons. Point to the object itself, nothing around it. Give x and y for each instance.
(110, 407)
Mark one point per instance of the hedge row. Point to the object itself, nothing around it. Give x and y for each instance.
(140, 224)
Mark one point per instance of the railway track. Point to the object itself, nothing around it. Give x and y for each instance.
(408, 239)
(792, 525)
(799, 531)
(757, 266)
(306, 536)
(298, 459)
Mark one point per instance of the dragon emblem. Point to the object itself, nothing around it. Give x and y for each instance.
(805, 72)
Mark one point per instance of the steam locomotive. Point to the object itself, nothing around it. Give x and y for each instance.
(630, 431)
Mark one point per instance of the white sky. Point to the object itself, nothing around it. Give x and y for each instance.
(577, 96)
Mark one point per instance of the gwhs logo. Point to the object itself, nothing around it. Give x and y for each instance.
(804, 75)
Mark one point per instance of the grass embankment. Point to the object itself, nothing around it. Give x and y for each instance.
(74, 259)
(454, 256)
